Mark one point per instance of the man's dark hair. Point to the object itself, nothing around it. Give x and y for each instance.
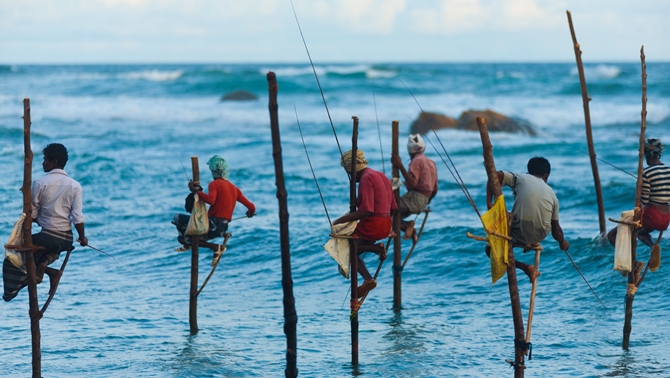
(56, 151)
(539, 166)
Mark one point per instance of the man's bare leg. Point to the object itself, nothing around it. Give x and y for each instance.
(528, 269)
(409, 230)
(645, 237)
(54, 278)
(39, 273)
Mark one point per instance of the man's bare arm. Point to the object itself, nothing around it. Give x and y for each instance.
(557, 234)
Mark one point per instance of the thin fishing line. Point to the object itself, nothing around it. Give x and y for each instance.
(379, 130)
(317, 80)
(587, 282)
(602, 160)
(184, 168)
(310, 166)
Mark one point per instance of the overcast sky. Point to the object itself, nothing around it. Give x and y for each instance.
(246, 31)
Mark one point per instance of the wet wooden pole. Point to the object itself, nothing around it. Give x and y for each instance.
(397, 242)
(353, 249)
(633, 284)
(195, 242)
(589, 137)
(290, 316)
(517, 316)
(26, 230)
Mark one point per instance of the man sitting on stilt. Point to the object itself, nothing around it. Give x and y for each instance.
(56, 205)
(420, 181)
(655, 197)
(535, 211)
(222, 198)
(375, 205)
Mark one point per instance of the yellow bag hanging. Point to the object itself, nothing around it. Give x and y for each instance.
(495, 220)
(198, 224)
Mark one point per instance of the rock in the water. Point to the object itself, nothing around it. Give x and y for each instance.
(239, 96)
(468, 121)
(422, 124)
(494, 122)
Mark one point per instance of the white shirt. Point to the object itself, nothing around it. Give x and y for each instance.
(57, 201)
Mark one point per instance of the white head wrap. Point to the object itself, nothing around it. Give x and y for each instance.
(415, 144)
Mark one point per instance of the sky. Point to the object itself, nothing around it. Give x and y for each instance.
(375, 31)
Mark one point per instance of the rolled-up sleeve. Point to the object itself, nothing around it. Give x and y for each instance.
(76, 212)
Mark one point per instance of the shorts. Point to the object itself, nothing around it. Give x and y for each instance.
(217, 228)
(374, 228)
(654, 219)
(412, 202)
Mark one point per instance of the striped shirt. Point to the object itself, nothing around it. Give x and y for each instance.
(656, 185)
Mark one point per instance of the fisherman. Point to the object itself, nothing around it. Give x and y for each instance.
(655, 197)
(535, 210)
(222, 198)
(56, 205)
(375, 205)
(420, 181)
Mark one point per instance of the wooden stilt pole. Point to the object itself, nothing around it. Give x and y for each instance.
(425, 218)
(195, 242)
(397, 242)
(589, 138)
(511, 269)
(353, 250)
(290, 316)
(531, 307)
(26, 230)
(632, 281)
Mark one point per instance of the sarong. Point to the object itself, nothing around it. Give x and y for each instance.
(412, 202)
(54, 241)
(654, 219)
(374, 228)
(217, 228)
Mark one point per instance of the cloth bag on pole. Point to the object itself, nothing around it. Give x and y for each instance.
(198, 224)
(18, 259)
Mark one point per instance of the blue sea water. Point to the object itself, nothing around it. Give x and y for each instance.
(130, 127)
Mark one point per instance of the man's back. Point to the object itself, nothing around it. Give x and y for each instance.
(57, 201)
(425, 172)
(535, 206)
(375, 194)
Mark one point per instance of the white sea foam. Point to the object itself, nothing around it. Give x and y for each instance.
(153, 75)
(601, 71)
(380, 74)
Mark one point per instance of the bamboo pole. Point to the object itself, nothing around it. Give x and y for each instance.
(397, 242)
(589, 137)
(195, 242)
(632, 282)
(418, 237)
(290, 316)
(517, 316)
(531, 307)
(26, 230)
(353, 250)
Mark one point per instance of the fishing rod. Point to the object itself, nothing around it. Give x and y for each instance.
(587, 282)
(317, 80)
(379, 130)
(99, 250)
(184, 168)
(242, 217)
(310, 166)
(602, 160)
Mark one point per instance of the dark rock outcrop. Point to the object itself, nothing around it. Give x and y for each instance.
(239, 96)
(422, 124)
(495, 122)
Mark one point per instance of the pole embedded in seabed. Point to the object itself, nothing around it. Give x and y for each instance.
(353, 249)
(589, 136)
(517, 316)
(195, 242)
(632, 286)
(26, 230)
(397, 243)
(290, 316)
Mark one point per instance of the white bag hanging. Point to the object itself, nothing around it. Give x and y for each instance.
(198, 224)
(622, 258)
(18, 259)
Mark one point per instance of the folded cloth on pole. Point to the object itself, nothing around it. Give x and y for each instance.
(495, 220)
(339, 248)
(18, 259)
(624, 235)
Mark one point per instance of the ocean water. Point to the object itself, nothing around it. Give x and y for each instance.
(129, 128)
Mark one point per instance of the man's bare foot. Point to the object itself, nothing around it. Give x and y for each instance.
(54, 279)
(366, 287)
(382, 251)
(532, 273)
(415, 236)
(409, 230)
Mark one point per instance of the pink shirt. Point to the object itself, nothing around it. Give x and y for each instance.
(425, 173)
(375, 194)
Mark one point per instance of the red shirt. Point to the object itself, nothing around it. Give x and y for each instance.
(222, 198)
(425, 173)
(375, 194)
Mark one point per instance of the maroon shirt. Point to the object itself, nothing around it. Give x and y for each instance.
(375, 194)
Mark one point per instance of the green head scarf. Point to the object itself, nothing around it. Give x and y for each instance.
(218, 166)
